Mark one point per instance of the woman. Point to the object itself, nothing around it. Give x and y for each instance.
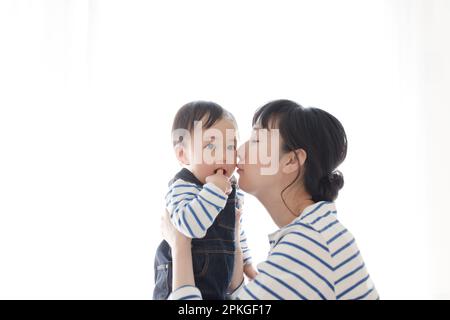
(312, 255)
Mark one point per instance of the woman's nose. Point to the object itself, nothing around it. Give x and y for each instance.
(241, 152)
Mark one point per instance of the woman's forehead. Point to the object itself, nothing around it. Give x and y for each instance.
(268, 121)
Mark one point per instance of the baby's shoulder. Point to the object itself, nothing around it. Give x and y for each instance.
(180, 186)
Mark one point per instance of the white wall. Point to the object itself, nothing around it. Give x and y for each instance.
(435, 78)
(88, 90)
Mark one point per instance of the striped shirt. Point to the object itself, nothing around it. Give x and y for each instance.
(313, 257)
(193, 209)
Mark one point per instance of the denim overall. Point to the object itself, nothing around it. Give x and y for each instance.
(212, 256)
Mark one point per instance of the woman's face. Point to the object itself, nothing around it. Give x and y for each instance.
(258, 165)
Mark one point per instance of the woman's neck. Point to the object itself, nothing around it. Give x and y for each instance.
(284, 212)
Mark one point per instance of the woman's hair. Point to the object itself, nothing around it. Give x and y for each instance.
(206, 111)
(317, 132)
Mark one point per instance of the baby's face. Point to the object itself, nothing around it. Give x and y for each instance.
(213, 149)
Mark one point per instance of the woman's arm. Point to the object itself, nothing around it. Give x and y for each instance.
(183, 282)
(183, 273)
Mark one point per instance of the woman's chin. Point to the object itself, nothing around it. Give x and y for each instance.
(242, 181)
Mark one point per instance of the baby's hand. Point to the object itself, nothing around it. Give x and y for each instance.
(250, 271)
(220, 180)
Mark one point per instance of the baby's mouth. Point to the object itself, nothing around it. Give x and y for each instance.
(224, 171)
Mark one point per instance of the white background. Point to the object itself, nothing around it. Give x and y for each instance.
(88, 90)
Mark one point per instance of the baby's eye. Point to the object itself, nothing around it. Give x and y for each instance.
(210, 146)
(231, 147)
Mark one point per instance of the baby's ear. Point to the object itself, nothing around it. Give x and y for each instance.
(181, 154)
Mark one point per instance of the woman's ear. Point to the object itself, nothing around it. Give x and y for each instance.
(293, 161)
(181, 154)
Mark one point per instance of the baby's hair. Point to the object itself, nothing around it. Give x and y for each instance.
(207, 112)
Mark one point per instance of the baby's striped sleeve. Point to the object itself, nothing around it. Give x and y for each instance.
(193, 209)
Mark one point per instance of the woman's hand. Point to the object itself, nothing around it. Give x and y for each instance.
(173, 237)
(238, 269)
(237, 226)
(249, 270)
(182, 272)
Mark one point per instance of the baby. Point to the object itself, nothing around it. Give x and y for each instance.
(202, 200)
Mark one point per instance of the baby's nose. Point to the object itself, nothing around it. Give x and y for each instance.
(226, 159)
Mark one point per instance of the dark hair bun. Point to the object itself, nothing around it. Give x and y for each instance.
(330, 185)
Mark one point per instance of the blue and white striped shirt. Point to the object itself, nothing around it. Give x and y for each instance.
(314, 257)
(193, 209)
